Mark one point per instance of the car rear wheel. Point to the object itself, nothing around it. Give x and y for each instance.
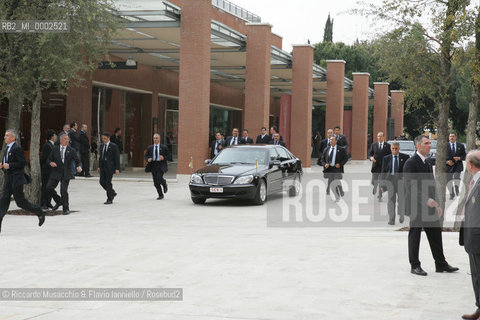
(261, 195)
(295, 188)
(199, 200)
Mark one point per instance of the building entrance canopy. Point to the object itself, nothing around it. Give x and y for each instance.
(151, 35)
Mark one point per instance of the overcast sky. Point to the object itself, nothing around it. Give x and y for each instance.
(298, 21)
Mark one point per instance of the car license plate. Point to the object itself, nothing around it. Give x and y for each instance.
(216, 190)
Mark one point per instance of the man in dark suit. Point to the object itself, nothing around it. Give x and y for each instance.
(66, 130)
(324, 144)
(245, 139)
(85, 151)
(455, 156)
(276, 140)
(234, 139)
(333, 161)
(108, 164)
(263, 138)
(378, 151)
(391, 180)
(274, 130)
(470, 231)
(74, 143)
(156, 157)
(61, 159)
(45, 168)
(423, 210)
(216, 145)
(12, 163)
(341, 139)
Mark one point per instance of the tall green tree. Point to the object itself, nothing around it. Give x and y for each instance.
(328, 30)
(449, 25)
(32, 62)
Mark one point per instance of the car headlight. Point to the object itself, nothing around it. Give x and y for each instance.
(196, 178)
(244, 180)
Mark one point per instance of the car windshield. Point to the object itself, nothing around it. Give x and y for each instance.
(241, 156)
(405, 145)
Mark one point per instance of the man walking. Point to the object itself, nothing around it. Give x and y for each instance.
(85, 151)
(12, 163)
(45, 168)
(61, 159)
(325, 143)
(333, 160)
(423, 210)
(341, 139)
(156, 157)
(391, 180)
(108, 164)
(470, 232)
(455, 157)
(378, 151)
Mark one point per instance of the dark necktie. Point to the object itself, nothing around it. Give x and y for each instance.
(330, 156)
(157, 158)
(395, 165)
(453, 148)
(105, 153)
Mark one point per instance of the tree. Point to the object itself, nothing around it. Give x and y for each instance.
(450, 23)
(32, 62)
(328, 31)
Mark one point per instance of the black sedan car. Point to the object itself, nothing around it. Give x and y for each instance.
(247, 172)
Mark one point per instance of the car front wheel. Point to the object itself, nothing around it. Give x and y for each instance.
(261, 195)
(199, 200)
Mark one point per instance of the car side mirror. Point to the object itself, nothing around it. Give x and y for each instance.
(274, 163)
(208, 161)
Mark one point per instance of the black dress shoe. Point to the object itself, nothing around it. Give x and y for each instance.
(114, 195)
(401, 219)
(473, 316)
(41, 220)
(56, 206)
(374, 190)
(160, 197)
(456, 190)
(108, 201)
(391, 223)
(88, 176)
(165, 188)
(44, 208)
(66, 212)
(447, 268)
(418, 271)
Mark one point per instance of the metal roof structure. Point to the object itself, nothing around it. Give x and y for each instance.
(151, 35)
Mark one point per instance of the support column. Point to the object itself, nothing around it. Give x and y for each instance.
(285, 118)
(380, 108)
(257, 77)
(397, 110)
(79, 105)
(360, 116)
(194, 84)
(335, 94)
(302, 90)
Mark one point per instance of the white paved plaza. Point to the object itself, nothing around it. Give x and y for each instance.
(228, 262)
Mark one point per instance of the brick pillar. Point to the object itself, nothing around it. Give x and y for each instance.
(257, 77)
(397, 110)
(335, 94)
(360, 116)
(79, 105)
(285, 118)
(302, 90)
(380, 108)
(194, 84)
